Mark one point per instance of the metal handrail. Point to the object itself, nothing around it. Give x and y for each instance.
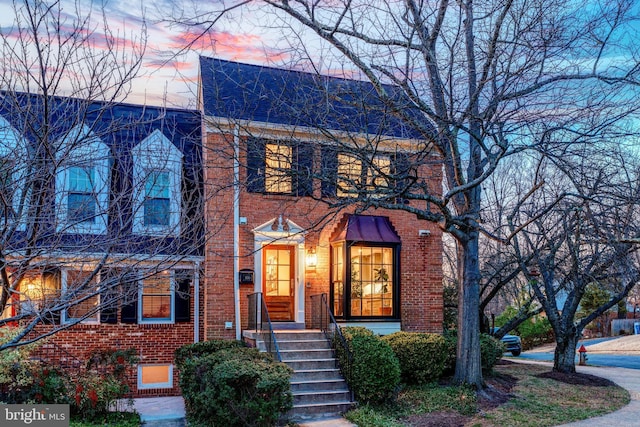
(260, 321)
(322, 318)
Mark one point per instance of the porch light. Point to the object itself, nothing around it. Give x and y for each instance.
(312, 258)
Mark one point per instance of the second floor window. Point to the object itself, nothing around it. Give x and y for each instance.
(81, 200)
(349, 175)
(157, 201)
(378, 173)
(278, 177)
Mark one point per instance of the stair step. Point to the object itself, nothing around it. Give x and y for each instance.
(302, 412)
(308, 364)
(306, 354)
(299, 335)
(324, 397)
(336, 384)
(316, 374)
(303, 344)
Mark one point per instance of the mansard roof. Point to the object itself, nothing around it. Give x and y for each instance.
(269, 95)
(119, 125)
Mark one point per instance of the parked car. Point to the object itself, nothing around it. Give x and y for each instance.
(511, 342)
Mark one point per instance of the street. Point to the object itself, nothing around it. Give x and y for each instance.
(614, 358)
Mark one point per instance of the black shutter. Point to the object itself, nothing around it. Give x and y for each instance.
(255, 165)
(50, 317)
(108, 310)
(182, 297)
(304, 169)
(109, 296)
(401, 172)
(329, 171)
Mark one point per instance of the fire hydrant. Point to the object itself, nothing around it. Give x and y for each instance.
(583, 355)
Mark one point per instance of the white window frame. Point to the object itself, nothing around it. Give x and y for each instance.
(142, 386)
(64, 317)
(90, 152)
(172, 293)
(13, 144)
(156, 153)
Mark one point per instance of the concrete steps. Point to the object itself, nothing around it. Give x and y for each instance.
(318, 388)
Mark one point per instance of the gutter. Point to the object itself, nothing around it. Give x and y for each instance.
(196, 303)
(236, 230)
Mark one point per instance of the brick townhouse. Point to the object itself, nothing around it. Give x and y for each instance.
(281, 196)
(102, 229)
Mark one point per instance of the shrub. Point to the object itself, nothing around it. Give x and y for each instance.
(491, 351)
(204, 348)
(234, 386)
(422, 356)
(96, 390)
(375, 370)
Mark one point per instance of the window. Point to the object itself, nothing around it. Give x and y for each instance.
(156, 298)
(81, 289)
(371, 281)
(155, 376)
(157, 201)
(378, 173)
(279, 167)
(278, 177)
(365, 270)
(82, 183)
(349, 175)
(81, 200)
(157, 175)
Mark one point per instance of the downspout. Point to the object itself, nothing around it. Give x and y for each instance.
(196, 303)
(236, 230)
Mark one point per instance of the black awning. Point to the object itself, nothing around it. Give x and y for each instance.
(365, 228)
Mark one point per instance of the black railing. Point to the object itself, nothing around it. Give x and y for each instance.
(322, 318)
(260, 322)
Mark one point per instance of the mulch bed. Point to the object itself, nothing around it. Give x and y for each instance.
(577, 379)
(497, 392)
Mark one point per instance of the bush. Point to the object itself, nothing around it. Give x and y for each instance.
(422, 356)
(491, 351)
(204, 348)
(97, 389)
(233, 386)
(375, 370)
(533, 332)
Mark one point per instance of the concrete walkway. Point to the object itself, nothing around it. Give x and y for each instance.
(169, 412)
(629, 379)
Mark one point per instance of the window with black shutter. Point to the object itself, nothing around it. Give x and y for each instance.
(182, 299)
(279, 167)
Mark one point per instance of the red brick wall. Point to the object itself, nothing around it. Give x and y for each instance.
(154, 343)
(421, 257)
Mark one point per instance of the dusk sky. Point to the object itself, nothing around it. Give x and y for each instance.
(167, 67)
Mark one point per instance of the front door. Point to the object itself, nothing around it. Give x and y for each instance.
(278, 284)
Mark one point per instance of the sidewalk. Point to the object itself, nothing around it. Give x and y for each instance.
(169, 412)
(628, 379)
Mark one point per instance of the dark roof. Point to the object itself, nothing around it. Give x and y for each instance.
(250, 92)
(46, 120)
(365, 228)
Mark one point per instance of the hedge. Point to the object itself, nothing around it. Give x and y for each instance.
(422, 356)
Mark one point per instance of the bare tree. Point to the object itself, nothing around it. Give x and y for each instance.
(576, 231)
(75, 189)
(476, 83)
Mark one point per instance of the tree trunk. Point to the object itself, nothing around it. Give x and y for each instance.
(468, 367)
(564, 359)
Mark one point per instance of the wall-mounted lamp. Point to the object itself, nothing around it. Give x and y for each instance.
(312, 258)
